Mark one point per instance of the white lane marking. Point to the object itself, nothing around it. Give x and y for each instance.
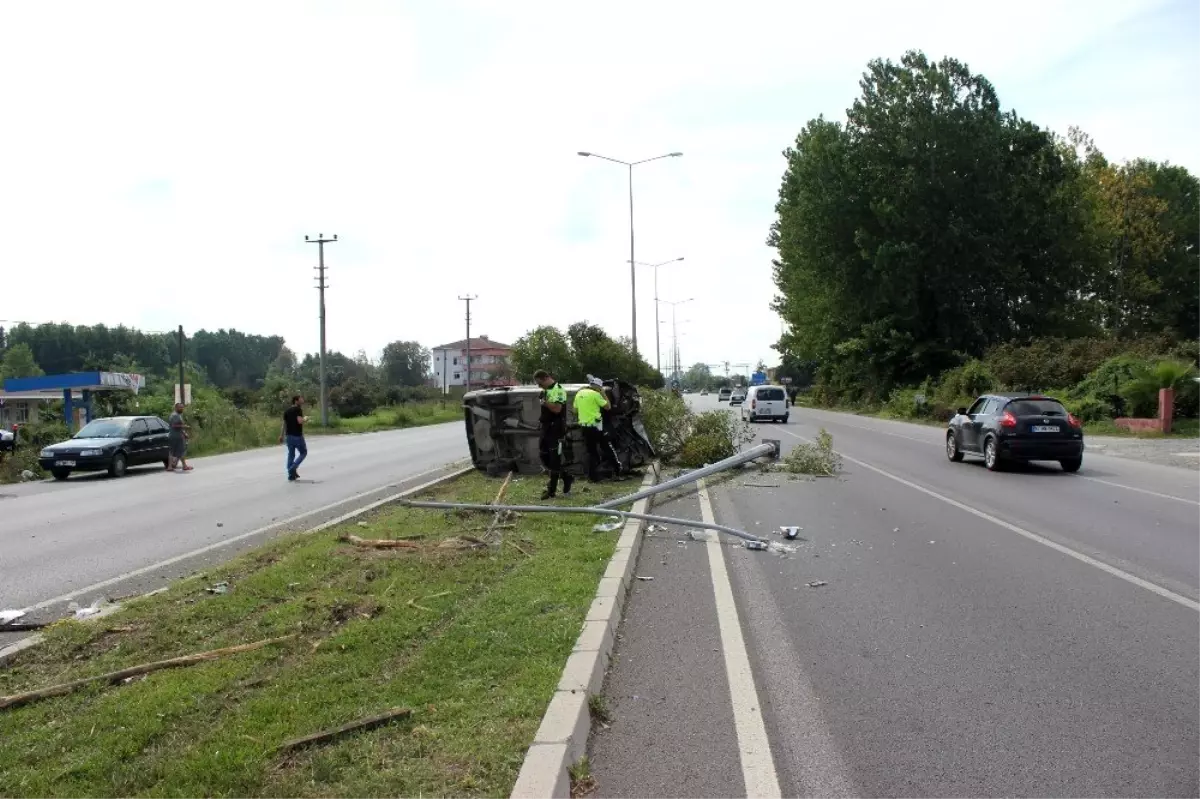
(1074, 476)
(758, 767)
(1099, 564)
(1139, 490)
(273, 525)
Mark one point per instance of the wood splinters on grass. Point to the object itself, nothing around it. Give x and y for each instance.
(519, 548)
(15, 700)
(378, 543)
(362, 724)
(412, 603)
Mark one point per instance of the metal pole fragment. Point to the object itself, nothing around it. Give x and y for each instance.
(758, 451)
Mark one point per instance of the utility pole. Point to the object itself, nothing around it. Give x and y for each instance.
(182, 395)
(321, 241)
(467, 299)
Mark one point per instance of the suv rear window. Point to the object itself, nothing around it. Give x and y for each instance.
(769, 394)
(1036, 407)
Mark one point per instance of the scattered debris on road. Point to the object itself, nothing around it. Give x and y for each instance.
(9, 616)
(790, 532)
(756, 545)
(816, 583)
(607, 527)
(218, 588)
(644, 579)
(90, 610)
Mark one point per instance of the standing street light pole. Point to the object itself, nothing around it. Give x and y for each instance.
(674, 331)
(632, 260)
(657, 324)
(321, 241)
(468, 298)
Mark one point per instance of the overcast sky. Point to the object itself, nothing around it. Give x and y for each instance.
(162, 162)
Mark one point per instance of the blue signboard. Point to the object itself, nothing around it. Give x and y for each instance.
(758, 378)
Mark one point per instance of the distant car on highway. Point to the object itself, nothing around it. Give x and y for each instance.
(112, 445)
(704, 392)
(765, 402)
(724, 394)
(1007, 428)
(737, 397)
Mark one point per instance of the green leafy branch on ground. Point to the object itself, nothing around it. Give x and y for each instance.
(814, 458)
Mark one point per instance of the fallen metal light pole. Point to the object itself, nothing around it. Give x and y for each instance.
(596, 511)
(769, 449)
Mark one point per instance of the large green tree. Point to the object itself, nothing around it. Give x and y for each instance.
(584, 349)
(546, 348)
(18, 361)
(405, 363)
(929, 227)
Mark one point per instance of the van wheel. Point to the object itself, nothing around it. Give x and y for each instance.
(1071, 464)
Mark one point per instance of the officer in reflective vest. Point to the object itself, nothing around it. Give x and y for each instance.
(554, 429)
(589, 404)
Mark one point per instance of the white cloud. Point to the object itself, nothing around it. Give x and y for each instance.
(162, 166)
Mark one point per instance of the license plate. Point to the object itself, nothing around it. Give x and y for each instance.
(64, 463)
(1042, 428)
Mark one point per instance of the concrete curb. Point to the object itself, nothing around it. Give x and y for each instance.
(562, 738)
(35, 639)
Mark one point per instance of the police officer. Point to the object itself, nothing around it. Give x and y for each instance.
(590, 403)
(554, 429)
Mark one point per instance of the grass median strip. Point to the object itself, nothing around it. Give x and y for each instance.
(472, 640)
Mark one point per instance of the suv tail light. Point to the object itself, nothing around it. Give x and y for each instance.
(1074, 421)
(1008, 420)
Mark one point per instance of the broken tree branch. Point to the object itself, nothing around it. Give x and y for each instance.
(499, 515)
(362, 724)
(378, 543)
(15, 700)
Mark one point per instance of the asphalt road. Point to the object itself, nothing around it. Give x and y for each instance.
(94, 536)
(1030, 633)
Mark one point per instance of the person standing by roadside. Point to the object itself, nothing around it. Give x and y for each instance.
(293, 435)
(177, 440)
(590, 401)
(554, 430)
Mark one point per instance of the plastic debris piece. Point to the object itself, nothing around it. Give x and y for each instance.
(9, 616)
(608, 527)
(933, 542)
(790, 533)
(218, 588)
(757, 545)
(644, 579)
(656, 528)
(90, 610)
(701, 535)
(363, 524)
(816, 583)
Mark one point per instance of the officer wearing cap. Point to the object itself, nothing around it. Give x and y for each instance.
(590, 403)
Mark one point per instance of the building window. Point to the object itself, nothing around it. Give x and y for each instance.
(456, 361)
(457, 375)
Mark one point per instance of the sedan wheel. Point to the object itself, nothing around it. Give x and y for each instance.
(117, 468)
(991, 457)
(952, 451)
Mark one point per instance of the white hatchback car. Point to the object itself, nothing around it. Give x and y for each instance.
(765, 402)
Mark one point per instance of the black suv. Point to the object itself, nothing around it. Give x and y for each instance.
(1016, 427)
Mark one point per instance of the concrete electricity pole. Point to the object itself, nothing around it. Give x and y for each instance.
(321, 241)
(467, 299)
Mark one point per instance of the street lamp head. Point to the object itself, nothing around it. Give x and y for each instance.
(675, 155)
(585, 155)
(680, 258)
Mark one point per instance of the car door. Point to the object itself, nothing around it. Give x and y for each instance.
(159, 443)
(969, 431)
(139, 442)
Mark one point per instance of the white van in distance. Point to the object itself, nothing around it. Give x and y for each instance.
(765, 402)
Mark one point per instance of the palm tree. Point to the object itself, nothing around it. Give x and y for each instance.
(1142, 391)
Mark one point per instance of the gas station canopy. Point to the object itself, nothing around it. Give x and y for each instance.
(68, 385)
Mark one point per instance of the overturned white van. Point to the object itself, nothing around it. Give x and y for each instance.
(503, 425)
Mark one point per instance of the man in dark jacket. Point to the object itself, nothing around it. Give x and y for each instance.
(554, 430)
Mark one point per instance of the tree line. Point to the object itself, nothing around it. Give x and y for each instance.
(583, 349)
(932, 226)
(250, 370)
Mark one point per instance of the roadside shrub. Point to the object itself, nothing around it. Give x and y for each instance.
(1089, 409)
(1142, 391)
(714, 435)
(817, 459)
(969, 380)
(668, 422)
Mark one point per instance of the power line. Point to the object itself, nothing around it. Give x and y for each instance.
(321, 241)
